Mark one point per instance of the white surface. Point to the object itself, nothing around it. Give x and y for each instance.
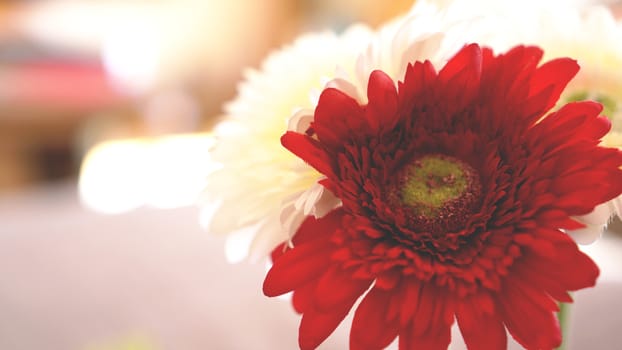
(70, 278)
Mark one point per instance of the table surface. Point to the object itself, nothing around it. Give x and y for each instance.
(75, 279)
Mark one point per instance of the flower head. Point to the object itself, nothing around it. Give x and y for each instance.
(455, 186)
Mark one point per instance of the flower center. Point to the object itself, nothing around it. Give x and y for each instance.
(438, 191)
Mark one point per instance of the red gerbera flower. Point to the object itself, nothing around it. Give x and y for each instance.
(455, 190)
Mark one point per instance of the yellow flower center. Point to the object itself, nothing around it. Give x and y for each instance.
(438, 191)
(432, 181)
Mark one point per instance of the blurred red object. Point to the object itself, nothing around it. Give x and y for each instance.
(66, 86)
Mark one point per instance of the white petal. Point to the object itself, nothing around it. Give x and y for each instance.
(588, 234)
(307, 199)
(300, 120)
(346, 87)
(316, 201)
(599, 216)
(238, 244)
(424, 48)
(291, 219)
(327, 202)
(268, 236)
(617, 206)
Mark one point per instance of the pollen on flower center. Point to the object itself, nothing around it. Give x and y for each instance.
(432, 181)
(438, 191)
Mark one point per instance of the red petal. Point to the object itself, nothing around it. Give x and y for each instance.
(439, 340)
(531, 325)
(480, 331)
(460, 78)
(308, 150)
(382, 106)
(319, 228)
(311, 229)
(570, 267)
(468, 58)
(411, 293)
(554, 288)
(505, 83)
(533, 106)
(532, 292)
(303, 297)
(315, 327)
(437, 330)
(592, 127)
(417, 81)
(278, 251)
(337, 115)
(517, 67)
(297, 267)
(308, 259)
(428, 300)
(337, 287)
(555, 74)
(370, 330)
(574, 122)
(388, 280)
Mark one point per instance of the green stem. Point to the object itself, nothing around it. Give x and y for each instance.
(562, 316)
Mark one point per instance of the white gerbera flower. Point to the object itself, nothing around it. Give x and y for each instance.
(260, 181)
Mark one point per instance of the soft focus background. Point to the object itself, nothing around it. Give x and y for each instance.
(105, 116)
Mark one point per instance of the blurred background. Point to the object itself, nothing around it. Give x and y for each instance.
(106, 109)
(74, 74)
